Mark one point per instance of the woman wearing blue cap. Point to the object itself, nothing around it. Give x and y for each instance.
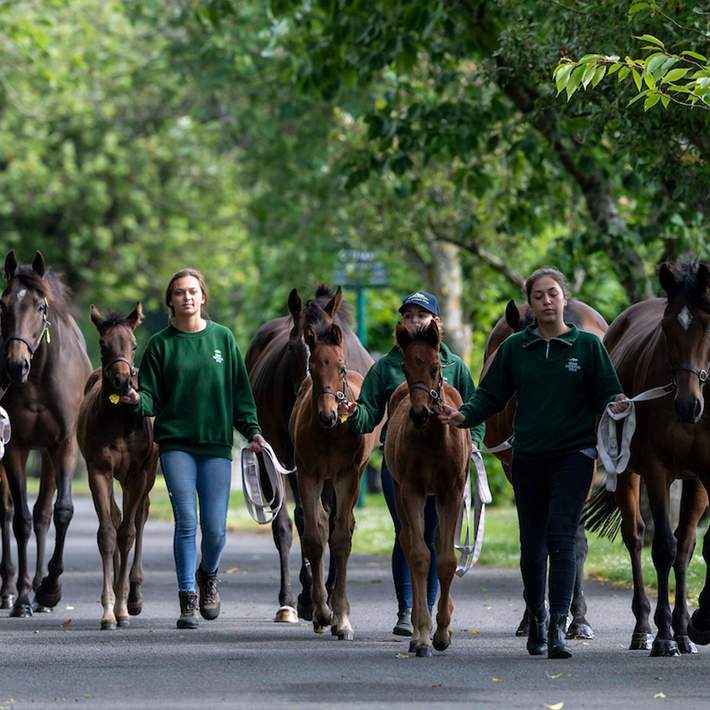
(381, 381)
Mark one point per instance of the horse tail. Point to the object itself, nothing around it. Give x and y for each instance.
(601, 515)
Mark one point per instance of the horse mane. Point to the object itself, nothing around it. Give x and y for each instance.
(685, 272)
(57, 294)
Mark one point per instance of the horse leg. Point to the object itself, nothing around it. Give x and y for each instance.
(315, 537)
(282, 532)
(632, 532)
(347, 489)
(699, 624)
(410, 506)
(116, 517)
(41, 518)
(15, 461)
(49, 591)
(663, 552)
(693, 502)
(328, 499)
(135, 595)
(580, 627)
(304, 604)
(100, 483)
(447, 510)
(8, 591)
(126, 536)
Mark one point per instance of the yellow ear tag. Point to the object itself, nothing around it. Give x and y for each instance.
(47, 337)
(113, 398)
(343, 418)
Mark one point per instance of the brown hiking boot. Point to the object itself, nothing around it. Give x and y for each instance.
(209, 596)
(188, 618)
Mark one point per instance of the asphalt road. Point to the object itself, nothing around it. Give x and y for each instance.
(245, 660)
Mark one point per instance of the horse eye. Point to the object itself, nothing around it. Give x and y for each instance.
(134, 346)
(434, 370)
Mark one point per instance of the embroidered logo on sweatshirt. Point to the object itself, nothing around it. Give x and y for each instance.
(217, 356)
(573, 365)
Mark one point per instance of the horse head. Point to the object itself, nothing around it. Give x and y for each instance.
(326, 365)
(686, 328)
(24, 321)
(422, 368)
(118, 345)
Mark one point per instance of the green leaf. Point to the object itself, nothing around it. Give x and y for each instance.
(694, 55)
(651, 101)
(598, 75)
(623, 73)
(614, 68)
(588, 74)
(665, 101)
(655, 62)
(650, 38)
(638, 7)
(675, 74)
(650, 81)
(637, 78)
(563, 76)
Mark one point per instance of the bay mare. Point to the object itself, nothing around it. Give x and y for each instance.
(45, 364)
(277, 362)
(329, 455)
(426, 458)
(117, 444)
(499, 428)
(652, 344)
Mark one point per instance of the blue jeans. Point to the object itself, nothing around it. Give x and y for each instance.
(188, 479)
(400, 568)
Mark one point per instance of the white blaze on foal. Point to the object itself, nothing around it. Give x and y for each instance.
(685, 318)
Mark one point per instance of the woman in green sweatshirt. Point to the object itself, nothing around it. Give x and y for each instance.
(381, 381)
(562, 379)
(193, 381)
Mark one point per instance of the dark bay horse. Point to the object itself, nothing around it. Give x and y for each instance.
(45, 362)
(328, 455)
(500, 427)
(426, 458)
(277, 361)
(117, 444)
(651, 344)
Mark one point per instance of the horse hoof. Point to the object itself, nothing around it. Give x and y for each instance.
(664, 648)
(685, 645)
(346, 635)
(424, 652)
(305, 612)
(40, 609)
(47, 597)
(107, 625)
(641, 641)
(21, 611)
(286, 615)
(7, 601)
(580, 630)
(135, 608)
(123, 622)
(523, 628)
(318, 628)
(696, 633)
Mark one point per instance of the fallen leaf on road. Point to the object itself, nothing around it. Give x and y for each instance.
(474, 632)
(66, 624)
(402, 655)
(69, 608)
(553, 676)
(659, 696)
(487, 606)
(556, 706)
(495, 679)
(438, 685)
(232, 570)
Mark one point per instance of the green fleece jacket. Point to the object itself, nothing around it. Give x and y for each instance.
(196, 387)
(386, 375)
(561, 385)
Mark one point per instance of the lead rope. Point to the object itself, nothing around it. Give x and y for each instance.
(261, 509)
(615, 454)
(5, 431)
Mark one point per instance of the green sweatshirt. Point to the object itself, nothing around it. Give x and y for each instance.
(561, 386)
(386, 375)
(196, 387)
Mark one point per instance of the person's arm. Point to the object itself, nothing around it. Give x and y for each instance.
(464, 384)
(147, 402)
(371, 403)
(606, 387)
(243, 405)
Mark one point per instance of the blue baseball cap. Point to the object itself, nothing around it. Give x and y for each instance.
(421, 299)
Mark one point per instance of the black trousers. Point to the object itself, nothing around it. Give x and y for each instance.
(549, 494)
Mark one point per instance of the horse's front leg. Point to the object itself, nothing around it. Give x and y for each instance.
(63, 456)
(101, 485)
(126, 535)
(315, 537)
(8, 591)
(693, 503)
(447, 508)
(410, 507)
(347, 488)
(41, 518)
(304, 605)
(580, 628)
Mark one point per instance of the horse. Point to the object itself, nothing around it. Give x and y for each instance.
(426, 458)
(117, 444)
(499, 428)
(654, 343)
(277, 362)
(328, 454)
(45, 362)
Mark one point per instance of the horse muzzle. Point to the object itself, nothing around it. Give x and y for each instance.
(689, 410)
(328, 421)
(419, 418)
(18, 371)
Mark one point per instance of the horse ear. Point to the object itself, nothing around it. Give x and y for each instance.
(310, 337)
(512, 315)
(135, 317)
(334, 303)
(294, 304)
(403, 336)
(667, 278)
(704, 277)
(432, 334)
(336, 334)
(10, 264)
(38, 265)
(96, 318)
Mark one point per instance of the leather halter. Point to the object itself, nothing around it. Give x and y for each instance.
(32, 347)
(702, 375)
(106, 368)
(435, 394)
(341, 395)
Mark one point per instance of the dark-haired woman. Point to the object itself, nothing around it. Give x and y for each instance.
(562, 379)
(193, 381)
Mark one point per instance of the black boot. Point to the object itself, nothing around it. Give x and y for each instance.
(556, 637)
(188, 604)
(537, 633)
(209, 595)
(403, 627)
